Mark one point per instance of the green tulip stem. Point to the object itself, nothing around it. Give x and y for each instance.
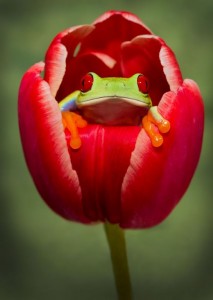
(116, 240)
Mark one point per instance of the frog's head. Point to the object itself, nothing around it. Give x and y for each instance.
(114, 100)
(133, 90)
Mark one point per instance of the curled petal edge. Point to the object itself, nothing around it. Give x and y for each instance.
(171, 68)
(63, 44)
(55, 66)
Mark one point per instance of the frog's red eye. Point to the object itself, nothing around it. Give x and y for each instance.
(86, 83)
(143, 84)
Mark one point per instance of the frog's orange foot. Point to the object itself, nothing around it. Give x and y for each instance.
(154, 124)
(72, 121)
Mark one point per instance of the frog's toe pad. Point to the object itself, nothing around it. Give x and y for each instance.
(75, 143)
(164, 126)
(157, 140)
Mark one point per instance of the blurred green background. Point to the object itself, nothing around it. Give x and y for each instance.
(45, 257)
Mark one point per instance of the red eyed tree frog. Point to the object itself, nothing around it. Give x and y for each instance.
(112, 101)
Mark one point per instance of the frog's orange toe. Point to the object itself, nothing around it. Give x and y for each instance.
(164, 126)
(157, 140)
(75, 143)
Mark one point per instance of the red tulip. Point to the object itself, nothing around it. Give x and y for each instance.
(117, 174)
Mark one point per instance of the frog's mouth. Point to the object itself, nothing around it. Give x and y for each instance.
(114, 110)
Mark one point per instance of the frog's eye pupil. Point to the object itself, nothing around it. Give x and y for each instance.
(143, 84)
(86, 83)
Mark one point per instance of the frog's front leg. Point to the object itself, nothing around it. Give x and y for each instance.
(71, 120)
(154, 123)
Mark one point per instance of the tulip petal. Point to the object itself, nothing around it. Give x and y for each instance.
(62, 46)
(45, 146)
(111, 29)
(157, 178)
(101, 164)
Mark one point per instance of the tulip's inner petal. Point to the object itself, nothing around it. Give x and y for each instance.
(77, 67)
(106, 59)
(141, 55)
(63, 46)
(112, 29)
(75, 36)
(101, 164)
(45, 146)
(126, 15)
(170, 68)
